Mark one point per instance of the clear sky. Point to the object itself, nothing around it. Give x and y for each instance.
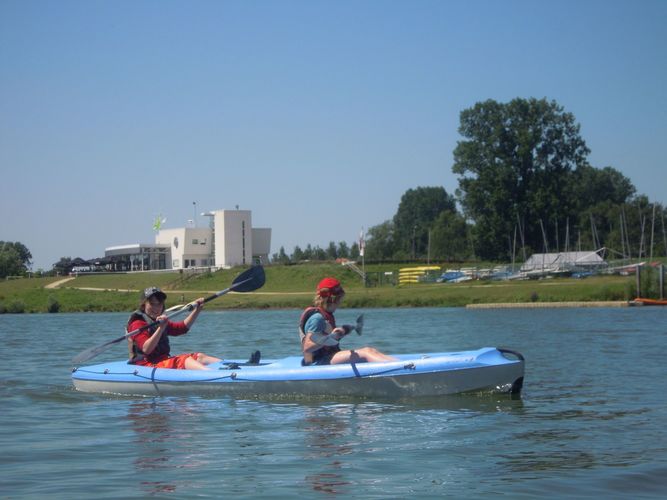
(316, 115)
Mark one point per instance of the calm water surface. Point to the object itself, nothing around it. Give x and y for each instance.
(589, 423)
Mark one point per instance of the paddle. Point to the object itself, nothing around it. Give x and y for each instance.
(330, 340)
(357, 328)
(247, 281)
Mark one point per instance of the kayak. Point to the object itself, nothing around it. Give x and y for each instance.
(649, 302)
(488, 369)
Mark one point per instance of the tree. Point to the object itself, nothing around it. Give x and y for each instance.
(417, 211)
(592, 186)
(15, 259)
(603, 195)
(343, 250)
(380, 242)
(354, 251)
(449, 237)
(64, 265)
(514, 168)
(332, 251)
(319, 253)
(297, 254)
(281, 257)
(10, 263)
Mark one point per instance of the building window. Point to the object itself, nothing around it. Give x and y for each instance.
(195, 241)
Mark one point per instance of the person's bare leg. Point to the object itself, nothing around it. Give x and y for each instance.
(207, 360)
(365, 354)
(192, 364)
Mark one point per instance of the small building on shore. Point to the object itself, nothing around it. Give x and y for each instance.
(228, 241)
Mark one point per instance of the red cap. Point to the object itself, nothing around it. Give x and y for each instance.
(328, 287)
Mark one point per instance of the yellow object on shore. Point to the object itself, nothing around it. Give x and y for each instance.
(408, 275)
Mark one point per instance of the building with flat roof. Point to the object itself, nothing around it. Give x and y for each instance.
(136, 257)
(230, 240)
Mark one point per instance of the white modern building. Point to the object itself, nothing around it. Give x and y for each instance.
(228, 241)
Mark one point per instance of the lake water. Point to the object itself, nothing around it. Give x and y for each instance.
(590, 421)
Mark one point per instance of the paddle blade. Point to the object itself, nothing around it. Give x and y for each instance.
(360, 324)
(249, 280)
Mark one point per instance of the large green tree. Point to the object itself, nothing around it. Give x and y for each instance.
(417, 212)
(513, 166)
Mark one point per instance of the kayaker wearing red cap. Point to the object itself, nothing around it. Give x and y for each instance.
(320, 336)
(151, 346)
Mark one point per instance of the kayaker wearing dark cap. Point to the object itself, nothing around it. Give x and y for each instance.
(150, 347)
(320, 336)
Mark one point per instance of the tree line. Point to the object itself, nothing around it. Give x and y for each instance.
(524, 186)
(333, 251)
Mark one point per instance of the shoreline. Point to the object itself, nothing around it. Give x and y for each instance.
(543, 305)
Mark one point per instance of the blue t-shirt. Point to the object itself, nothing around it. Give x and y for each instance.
(316, 324)
(323, 354)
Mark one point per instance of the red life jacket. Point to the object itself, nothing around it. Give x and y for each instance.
(135, 354)
(324, 351)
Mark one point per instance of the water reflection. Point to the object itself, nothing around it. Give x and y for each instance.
(327, 437)
(340, 437)
(160, 444)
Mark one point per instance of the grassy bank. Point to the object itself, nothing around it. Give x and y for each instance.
(293, 287)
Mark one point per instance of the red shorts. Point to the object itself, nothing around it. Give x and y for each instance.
(176, 362)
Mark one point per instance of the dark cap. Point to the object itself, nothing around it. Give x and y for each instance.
(153, 290)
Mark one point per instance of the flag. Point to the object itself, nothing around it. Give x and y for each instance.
(159, 220)
(362, 243)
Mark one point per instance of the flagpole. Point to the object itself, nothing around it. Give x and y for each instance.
(362, 247)
(363, 268)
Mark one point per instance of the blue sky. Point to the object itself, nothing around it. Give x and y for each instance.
(315, 115)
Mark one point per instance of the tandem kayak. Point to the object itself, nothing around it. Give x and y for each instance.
(488, 369)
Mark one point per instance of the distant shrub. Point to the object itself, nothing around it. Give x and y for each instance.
(53, 306)
(16, 307)
(3, 308)
(534, 297)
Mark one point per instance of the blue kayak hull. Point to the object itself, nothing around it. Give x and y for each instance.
(413, 375)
